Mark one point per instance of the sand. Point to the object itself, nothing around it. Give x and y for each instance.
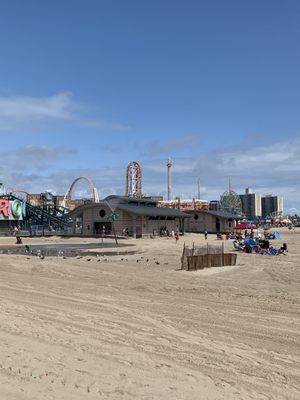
(71, 328)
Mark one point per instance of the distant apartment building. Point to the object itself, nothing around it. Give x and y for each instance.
(272, 206)
(251, 204)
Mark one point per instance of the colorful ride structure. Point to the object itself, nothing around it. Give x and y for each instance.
(134, 180)
(45, 210)
(41, 215)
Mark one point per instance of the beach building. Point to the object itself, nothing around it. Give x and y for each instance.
(211, 221)
(251, 204)
(139, 216)
(272, 206)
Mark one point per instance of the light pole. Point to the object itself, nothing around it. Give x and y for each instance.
(43, 203)
(169, 165)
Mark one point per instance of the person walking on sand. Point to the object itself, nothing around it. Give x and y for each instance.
(205, 234)
(176, 236)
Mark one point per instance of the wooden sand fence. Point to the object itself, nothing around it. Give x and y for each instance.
(199, 257)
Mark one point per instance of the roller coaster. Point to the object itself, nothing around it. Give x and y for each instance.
(44, 213)
(40, 217)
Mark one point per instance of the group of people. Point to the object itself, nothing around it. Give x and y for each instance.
(232, 235)
(249, 244)
(164, 232)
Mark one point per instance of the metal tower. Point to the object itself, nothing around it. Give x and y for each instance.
(134, 180)
(169, 165)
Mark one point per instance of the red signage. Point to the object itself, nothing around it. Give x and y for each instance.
(4, 206)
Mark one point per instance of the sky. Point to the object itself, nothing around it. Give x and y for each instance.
(86, 87)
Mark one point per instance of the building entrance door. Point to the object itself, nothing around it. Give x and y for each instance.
(99, 227)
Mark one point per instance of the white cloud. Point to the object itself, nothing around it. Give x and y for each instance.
(21, 113)
(30, 158)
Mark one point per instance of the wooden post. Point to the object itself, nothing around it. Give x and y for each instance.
(222, 255)
(182, 257)
(208, 260)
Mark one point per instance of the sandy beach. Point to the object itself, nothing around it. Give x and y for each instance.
(137, 327)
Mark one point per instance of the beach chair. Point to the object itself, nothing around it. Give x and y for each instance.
(257, 250)
(273, 251)
(236, 246)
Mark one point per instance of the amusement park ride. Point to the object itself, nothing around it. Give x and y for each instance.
(134, 180)
(230, 200)
(43, 210)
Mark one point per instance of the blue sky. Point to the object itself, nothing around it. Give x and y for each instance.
(88, 86)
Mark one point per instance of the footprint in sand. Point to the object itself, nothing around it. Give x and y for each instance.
(162, 366)
(191, 377)
(84, 348)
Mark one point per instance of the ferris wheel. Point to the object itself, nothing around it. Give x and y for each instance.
(231, 202)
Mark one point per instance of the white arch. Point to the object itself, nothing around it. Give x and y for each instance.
(67, 197)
